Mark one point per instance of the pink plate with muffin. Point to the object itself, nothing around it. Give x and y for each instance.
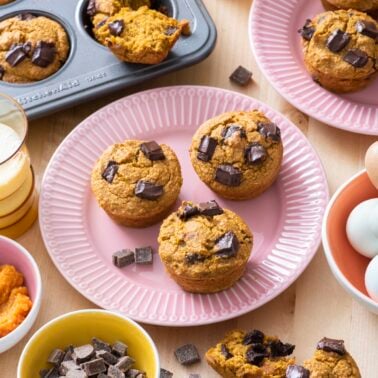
(273, 32)
(81, 238)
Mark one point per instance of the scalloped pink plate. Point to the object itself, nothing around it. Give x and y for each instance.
(81, 238)
(273, 32)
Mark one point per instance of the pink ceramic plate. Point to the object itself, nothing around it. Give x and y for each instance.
(81, 238)
(273, 31)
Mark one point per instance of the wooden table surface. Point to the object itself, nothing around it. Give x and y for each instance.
(311, 308)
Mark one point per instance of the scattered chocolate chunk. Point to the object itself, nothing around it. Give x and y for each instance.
(367, 28)
(269, 130)
(148, 190)
(134, 373)
(25, 16)
(232, 129)
(253, 337)
(44, 54)
(170, 30)
(109, 359)
(227, 245)
(16, 54)
(210, 208)
(307, 31)
(241, 76)
(228, 175)
(332, 345)
(114, 372)
(94, 367)
(254, 358)
(279, 349)
(225, 352)
(187, 354)
(83, 353)
(116, 27)
(110, 171)
(123, 258)
(194, 258)
(165, 373)
(259, 348)
(188, 211)
(255, 154)
(2, 72)
(66, 366)
(337, 40)
(99, 344)
(143, 255)
(356, 57)
(119, 349)
(91, 8)
(152, 150)
(125, 363)
(56, 357)
(207, 148)
(296, 371)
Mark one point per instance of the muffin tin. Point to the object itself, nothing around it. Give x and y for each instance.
(91, 70)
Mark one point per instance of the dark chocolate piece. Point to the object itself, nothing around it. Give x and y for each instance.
(230, 130)
(119, 349)
(356, 57)
(307, 31)
(227, 245)
(148, 190)
(123, 258)
(207, 148)
(225, 352)
(194, 258)
(253, 337)
(25, 16)
(94, 367)
(15, 55)
(68, 353)
(254, 357)
(83, 353)
(367, 28)
(2, 72)
(109, 359)
(99, 344)
(91, 8)
(152, 150)
(125, 363)
(114, 372)
(165, 373)
(279, 349)
(170, 30)
(116, 27)
(210, 208)
(241, 76)
(143, 255)
(110, 171)
(188, 211)
(255, 154)
(187, 354)
(228, 175)
(269, 130)
(332, 345)
(56, 357)
(44, 54)
(296, 371)
(337, 40)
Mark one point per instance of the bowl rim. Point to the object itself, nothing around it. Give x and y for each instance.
(328, 252)
(18, 333)
(44, 327)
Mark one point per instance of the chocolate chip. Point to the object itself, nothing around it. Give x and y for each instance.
(207, 148)
(296, 371)
(254, 358)
(307, 31)
(225, 352)
(194, 258)
(232, 129)
(228, 175)
(152, 150)
(116, 27)
(279, 349)
(114, 372)
(337, 40)
(25, 16)
(110, 171)
(56, 357)
(123, 258)
(125, 363)
(356, 57)
(253, 337)
(332, 345)
(83, 353)
(148, 190)
(44, 54)
(109, 359)
(188, 211)
(94, 367)
(91, 8)
(165, 373)
(15, 55)
(119, 349)
(187, 354)
(170, 30)
(143, 255)
(241, 76)
(255, 154)
(97, 343)
(259, 348)
(210, 208)
(227, 245)
(2, 72)
(269, 130)
(367, 28)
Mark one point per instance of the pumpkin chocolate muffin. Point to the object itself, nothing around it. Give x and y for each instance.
(237, 154)
(341, 50)
(137, 182)
(31, 48)
(204, 248)
(252, 355)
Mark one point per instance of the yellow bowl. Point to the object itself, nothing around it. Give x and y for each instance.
(78, 328)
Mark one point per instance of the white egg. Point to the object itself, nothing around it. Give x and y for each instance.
(371, 279)
(362, 228)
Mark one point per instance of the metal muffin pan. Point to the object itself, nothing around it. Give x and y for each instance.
(91, 70)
